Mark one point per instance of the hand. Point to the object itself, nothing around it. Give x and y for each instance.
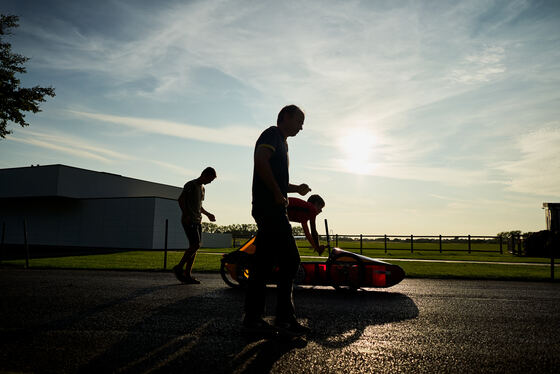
(211, 217)
(303, 189)
(281, 200)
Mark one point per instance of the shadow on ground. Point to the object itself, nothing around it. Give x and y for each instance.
(202, 333)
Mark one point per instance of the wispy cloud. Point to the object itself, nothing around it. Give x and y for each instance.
(536, 170)
(480, 67)
(70, 145)
(232, 135)
(178, 170)
(411, 171)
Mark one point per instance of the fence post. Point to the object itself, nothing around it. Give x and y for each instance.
(411, 243)
(469, 241)
(361, 238)
(165, 251)
(551, 249)
(385, 243)
(3, 240)
(336, 240)
(501, 247)
(440, 243)
(25, 244)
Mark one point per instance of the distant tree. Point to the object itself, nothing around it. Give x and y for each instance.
(297, 231)
(506, 235)
(14, 100)
(210, 227)
(241, 229)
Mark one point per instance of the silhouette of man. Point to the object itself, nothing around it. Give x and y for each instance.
(190, 202)
(275, 244)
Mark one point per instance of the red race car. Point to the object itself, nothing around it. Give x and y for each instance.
(342, 269)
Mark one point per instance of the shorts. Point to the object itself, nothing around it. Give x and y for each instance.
(194, 233)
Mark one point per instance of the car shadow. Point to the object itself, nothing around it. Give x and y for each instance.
(339, 318)
(202, 333)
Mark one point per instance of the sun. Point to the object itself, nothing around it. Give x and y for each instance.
(357, 147)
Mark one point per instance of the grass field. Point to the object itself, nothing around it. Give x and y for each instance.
(208, 260)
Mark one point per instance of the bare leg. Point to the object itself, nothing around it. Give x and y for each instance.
(189, 260)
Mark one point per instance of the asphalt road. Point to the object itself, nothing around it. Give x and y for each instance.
(141, 322)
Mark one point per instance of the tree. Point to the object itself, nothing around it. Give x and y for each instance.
(14, 100)
(506, 235)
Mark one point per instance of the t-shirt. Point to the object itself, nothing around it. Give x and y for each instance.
(300, 210)
(263, 197)
(194, 195)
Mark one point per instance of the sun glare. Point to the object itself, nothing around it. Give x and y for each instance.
(357, 147)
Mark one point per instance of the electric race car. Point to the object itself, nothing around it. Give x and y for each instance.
(341, 270)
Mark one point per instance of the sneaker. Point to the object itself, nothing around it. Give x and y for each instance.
(179, 274)
(292, 328)
(258, 326)
(191, 280)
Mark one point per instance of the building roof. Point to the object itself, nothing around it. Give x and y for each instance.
(66, 181)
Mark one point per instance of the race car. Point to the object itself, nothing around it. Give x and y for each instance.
(341, 270)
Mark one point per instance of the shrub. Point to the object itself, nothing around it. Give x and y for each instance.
(541, 244)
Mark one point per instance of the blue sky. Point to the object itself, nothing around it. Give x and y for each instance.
(422, 118)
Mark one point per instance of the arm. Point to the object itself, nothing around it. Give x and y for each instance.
(319, 248)
(314, 233)
(302, 189)
(262, 168)
(210, 216)
(312, 237)
(308, 235)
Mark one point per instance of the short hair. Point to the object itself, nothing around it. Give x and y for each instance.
(288, 111)
(209, 171)
(316, 199)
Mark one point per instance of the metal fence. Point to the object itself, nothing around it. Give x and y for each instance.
(434, 243)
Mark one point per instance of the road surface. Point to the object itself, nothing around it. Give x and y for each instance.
(146, 322)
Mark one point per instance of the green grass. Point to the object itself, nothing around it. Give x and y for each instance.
(475, 271)
(130, 260)
(208, 260)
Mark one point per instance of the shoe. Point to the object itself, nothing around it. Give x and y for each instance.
(291, 328)
(259, 326)
(179, 274)
(191, 280)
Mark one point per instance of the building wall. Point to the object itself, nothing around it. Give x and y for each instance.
(127, 223)
(103, 223)
(168, 209)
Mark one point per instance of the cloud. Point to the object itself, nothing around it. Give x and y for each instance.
(536, 170)
(480, 67)
(231, 135)
(178, 170)
(409, 171)
(71, 145)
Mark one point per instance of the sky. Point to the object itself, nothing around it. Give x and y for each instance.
(422, 117)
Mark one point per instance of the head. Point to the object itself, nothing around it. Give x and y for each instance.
(208, 175)
(317, 202)
(290, 120)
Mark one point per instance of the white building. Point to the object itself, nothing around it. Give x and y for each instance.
(65, 206)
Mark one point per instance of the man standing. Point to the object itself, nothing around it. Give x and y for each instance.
(190, 202)
(275, 244)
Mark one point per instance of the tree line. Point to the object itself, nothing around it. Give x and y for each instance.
(240, 229)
